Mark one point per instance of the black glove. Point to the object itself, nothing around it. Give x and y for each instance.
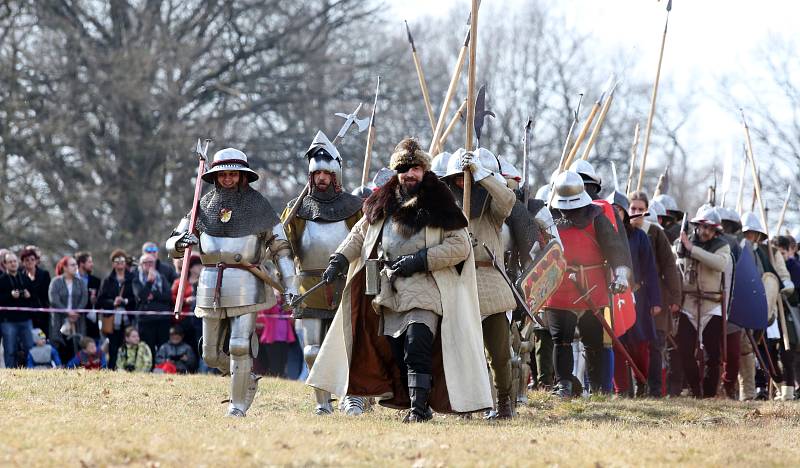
(407, 265)
(336, 267)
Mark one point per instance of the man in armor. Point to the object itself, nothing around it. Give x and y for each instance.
(777, 282)
(671, 222)
(410, 260)
(491, 203)
(702, 259)
(591, 246)
(322, 222)
(237, 230)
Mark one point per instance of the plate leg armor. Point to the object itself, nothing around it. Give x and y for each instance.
(243, 381)
(214, 334)
(313, 333)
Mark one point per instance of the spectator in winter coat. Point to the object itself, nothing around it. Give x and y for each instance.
(40, 282)
(42, 355)
(151, 248)
(177, 352)
(85, 269)
(116, 293)
(67, 292)
(88, 357)
(152, 294)
(134, 355)
(16, 326)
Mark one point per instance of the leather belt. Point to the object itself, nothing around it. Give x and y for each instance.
(484, 264)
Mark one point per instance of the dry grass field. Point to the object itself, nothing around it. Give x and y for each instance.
(78, 418)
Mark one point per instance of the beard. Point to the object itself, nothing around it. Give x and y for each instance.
(410, 187)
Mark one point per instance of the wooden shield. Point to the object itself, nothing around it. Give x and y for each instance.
(542, 278)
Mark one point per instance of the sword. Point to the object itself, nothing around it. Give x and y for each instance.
(516, 293)
(620, 347)
(299, 299)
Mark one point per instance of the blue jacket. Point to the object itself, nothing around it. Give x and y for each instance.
(647, 291)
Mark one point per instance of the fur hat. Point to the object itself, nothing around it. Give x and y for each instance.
(408, 154)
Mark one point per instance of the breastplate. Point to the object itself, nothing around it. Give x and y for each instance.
(239, 287)
(394, 245)
(318, 242)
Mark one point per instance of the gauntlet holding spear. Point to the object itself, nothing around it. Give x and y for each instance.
(187, 253)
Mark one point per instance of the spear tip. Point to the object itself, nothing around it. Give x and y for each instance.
(669, 6)
(410, 38)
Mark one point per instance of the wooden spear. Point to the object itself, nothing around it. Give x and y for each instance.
(783, 211)
(458, 116)
(451, 90)
(562, 160)
(421, 77)
(757, 187)
(582, 134)
(599, 125)
(370, 136)
(634, 151)
(740, 198)
(649, 127)
(473, 49)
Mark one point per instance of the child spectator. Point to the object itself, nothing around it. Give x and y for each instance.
(176, 351)
(276, 334)
(134, 355)
(42, 355)
(88, 357)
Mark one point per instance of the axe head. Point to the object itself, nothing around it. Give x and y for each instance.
(480, 111)
(362, 124)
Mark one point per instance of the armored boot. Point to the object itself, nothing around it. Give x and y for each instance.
(594, 367)
(786, 393)
(563, 389)
(419, 387)
(243, 386)
(353, 405)
(324, 406)
(641, 390)
(762, 394)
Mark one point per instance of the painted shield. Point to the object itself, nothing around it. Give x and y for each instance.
(748, 307)
(542, 278)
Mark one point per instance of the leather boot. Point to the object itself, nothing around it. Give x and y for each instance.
(504, 409)
(419, 387)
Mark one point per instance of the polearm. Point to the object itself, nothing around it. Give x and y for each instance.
(596, 107)
(201, 153)
(634, 153)
(370, 136)
(525, 171)
(653, 102)
(459, 115)
(451, 90)
(740, 198)
(602, 319)
(757, 188)
(561, 165)
(473, 49)
(349, 121)
(599, 124)
(783, 211)
(767, 369)
(514, 290)
(421, 77)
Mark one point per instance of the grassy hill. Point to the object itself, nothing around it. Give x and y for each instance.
(79, 418)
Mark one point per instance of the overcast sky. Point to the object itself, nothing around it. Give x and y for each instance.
(707, 39)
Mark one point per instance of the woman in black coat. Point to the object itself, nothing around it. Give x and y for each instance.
(116, 293)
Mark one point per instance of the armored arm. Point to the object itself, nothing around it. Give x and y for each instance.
(503, 198)
(616, 252)
(454, 249)
(180, 239)
(546, 222)
(284, 259)
(352, 244)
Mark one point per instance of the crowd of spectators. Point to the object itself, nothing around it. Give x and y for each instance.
(121, 322)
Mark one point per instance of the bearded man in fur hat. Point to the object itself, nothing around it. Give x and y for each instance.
(418, 339)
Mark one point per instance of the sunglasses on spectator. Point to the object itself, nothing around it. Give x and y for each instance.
(151, 249)
(119, 260)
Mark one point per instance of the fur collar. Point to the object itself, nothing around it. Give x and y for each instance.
(434, 206)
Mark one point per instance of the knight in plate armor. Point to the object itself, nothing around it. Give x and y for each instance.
(322, 222)
(237, 230)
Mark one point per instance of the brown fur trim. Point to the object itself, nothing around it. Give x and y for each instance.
(432, 206)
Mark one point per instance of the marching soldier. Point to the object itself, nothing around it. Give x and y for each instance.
(322, 222)
(236, 229)
(492, 202)
(671, 221)
(702, 259)
(423, 348)
(591, 246)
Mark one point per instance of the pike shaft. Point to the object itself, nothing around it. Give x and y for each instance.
(597, 126)
(473, 49)
(459, 113)
(634, 151)
(424, 87)
(652, 109)
(451, 90)
(579, 139)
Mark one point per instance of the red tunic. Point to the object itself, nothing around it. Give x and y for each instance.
(585, 259)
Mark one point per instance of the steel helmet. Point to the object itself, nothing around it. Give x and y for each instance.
(570, 192)
(229, 159)
(751, 222)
